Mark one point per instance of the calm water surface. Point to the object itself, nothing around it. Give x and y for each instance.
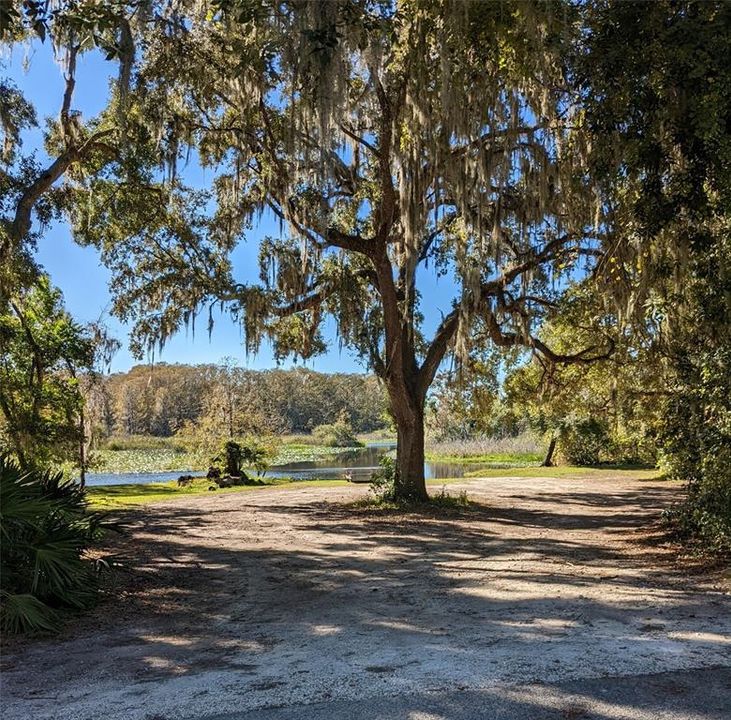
(359, 464)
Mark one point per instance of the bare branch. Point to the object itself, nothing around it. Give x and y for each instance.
(361, 141)
(437, 350)
(446, 221)
(70, 80)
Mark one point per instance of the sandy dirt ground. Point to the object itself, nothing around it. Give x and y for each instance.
(288, 603)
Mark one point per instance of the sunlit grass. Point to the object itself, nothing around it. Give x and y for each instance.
(522, 448)
(501, 460)
(568, 472)
(107, 497)
(129, 494)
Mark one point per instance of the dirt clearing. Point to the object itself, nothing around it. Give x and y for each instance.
(255, 604)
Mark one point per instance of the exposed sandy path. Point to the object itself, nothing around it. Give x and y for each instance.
(283, 597)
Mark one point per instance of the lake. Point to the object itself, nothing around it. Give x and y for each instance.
(359, 464)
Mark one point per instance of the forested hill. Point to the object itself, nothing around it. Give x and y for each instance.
(160, 399)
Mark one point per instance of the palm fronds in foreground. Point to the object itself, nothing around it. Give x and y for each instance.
(46, 531)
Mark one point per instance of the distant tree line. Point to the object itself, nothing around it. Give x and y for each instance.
(160, 400)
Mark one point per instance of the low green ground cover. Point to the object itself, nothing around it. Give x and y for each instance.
(120, 496)
(639, 473)
(142, 460)
(167, 455)
(503, 460)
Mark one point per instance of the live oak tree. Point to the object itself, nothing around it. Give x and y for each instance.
(390, 140)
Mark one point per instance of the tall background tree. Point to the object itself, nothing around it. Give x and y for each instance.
(233, 401)
(41, 352)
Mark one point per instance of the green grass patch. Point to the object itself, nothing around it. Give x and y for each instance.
(111, 497)
(497, 459)
(568, 472)
(119, 496)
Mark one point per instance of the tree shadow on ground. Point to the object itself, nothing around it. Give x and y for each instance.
(208, 590)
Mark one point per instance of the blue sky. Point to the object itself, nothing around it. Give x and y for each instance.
(83, 280)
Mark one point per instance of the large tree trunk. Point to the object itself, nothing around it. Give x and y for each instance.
(410, 483)
(405, 384)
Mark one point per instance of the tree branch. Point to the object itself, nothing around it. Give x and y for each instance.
(309, 302)
(494, 134)
(387, 206)
(437, 350)
(510, 339)
(351, 134)
(21, 224)
(70, 79)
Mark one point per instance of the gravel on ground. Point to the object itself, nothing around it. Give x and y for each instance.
(292, 603)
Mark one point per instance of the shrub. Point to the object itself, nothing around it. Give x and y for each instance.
(583, 440)
(45, 533)
(703, 520)
(383, 481)
(696, 447)
(249, 453)
(631, 447)
(450, 502)
(339, 434)
(383, 490)
(258, 455)
(233, 457)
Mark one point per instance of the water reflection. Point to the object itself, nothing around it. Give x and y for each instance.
(358, 464)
